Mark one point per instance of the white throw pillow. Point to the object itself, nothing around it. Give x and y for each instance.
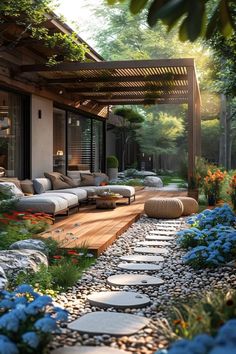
(16, 191)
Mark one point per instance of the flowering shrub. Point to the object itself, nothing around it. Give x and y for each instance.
(194, 237)
(215, 253)
(223, 342)
(213, 183)
(209, 218)
(27, 321)
(34, 223)
(232, 191)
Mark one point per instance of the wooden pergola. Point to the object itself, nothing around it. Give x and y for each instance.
(96, 85)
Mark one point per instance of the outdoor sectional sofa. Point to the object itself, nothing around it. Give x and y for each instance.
(59, 201)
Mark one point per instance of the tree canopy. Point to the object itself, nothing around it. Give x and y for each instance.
(195, 18)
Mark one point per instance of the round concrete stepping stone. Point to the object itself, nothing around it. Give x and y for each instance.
(154, 250)
(154, 243)
(88, 350)
(164, 233)
(141, 258)
(113, 323)
(159, 238)
(134, 279)
(118, 299)
(139, 266)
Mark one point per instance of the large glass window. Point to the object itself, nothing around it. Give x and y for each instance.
(59, 140)
(82, 148)
(13, 135)
(79, 142)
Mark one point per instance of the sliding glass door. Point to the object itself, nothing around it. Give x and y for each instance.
(14, 135)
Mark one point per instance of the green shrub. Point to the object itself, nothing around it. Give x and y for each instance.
(65, 274)
(13, 234)
(204, 315)
(112, 162)
(41, 280)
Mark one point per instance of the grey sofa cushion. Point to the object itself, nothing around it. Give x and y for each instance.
(41, 185)
(40, 203)
(71, 199)
(126, 191)
(79, 192)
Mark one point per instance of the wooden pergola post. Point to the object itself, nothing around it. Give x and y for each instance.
(191, 123)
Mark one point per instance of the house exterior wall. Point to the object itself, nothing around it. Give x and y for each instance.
(41, 136)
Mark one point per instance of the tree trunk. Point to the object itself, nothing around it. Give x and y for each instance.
(228, 136)
(223, 129)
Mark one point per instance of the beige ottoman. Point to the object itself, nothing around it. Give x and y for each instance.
(190, 205)
(163, 208)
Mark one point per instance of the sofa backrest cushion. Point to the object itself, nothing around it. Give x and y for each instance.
(13, 188)
(27, 186)
(87, 179)
(60, 181)
(42, 185)
(75, 175)
(100, 178)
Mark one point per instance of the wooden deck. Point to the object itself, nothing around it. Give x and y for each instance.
(96, 228)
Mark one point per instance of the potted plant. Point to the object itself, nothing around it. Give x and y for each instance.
(112, 167)
(232, 191)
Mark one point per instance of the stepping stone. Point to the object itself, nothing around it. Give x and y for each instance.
(153, 243)
(88, 350)
(118, 299)
(164, 233)
(134, 279)
(159, 238)
(139, 266)
(154, 250)
(165, 228)
(141, 258)
(113, 323)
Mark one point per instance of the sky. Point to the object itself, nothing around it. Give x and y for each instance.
(80, 12)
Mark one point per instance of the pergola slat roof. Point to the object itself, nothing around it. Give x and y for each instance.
(93, 86)
(116, 82)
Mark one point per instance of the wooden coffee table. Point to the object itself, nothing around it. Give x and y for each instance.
(107, 202)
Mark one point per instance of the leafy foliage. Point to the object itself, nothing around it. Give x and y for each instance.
(31, 17)
(28, 321)
(192, 17)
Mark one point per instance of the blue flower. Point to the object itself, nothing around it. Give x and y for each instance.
(24, 288)
(7, 347)
(31, 338)
(223, 350)
(9, 322)
(61, 315)
(46, 325)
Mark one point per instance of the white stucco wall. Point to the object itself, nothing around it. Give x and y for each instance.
(41, 136)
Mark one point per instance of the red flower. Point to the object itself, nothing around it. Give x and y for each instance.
(57, 257)
(73, 253)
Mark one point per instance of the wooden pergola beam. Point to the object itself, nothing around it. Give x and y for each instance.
(108, 97)
(142, 101)
(128, 88)
(122, 78)
(109, 65)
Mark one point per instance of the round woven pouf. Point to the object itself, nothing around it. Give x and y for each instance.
(190, 205)
(164, 208)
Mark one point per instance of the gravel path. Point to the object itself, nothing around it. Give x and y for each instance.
(179, 281)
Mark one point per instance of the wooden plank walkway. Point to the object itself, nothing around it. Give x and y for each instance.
(97, 229)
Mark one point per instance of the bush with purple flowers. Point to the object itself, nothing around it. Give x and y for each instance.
(27, 321)
(223, 343)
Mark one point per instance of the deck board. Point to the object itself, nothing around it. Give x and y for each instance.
(99, 228)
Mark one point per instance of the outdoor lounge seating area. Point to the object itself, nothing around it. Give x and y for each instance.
(41, 197)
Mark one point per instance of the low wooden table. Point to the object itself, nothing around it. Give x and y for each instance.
(107, 202)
